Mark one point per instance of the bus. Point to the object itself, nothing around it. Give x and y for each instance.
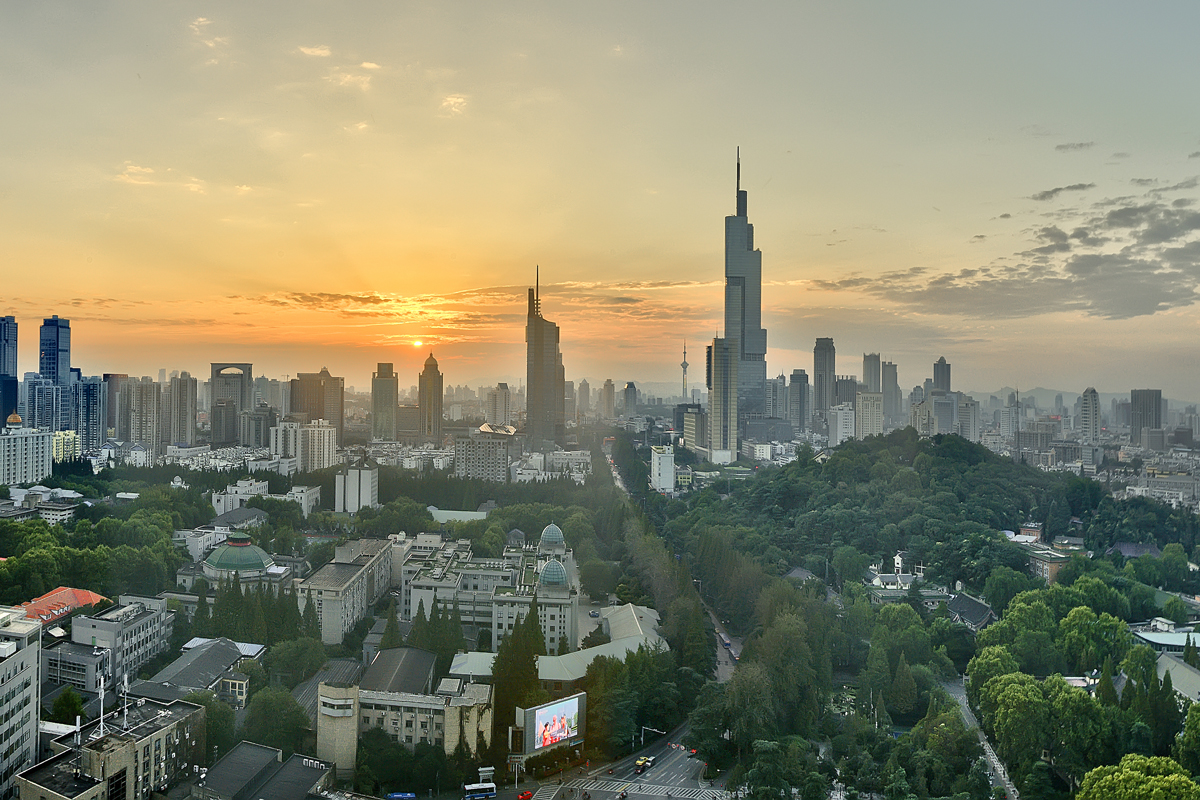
(725, 641)
(479, 791)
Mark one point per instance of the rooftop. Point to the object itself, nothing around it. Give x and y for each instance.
(335, 671)
(57, 774)
(332, 576)
(200, 667)
(400, 669)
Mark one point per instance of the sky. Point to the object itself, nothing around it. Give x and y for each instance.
(305, 184)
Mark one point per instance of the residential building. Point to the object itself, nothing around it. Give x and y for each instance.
(485, 452)
(893, 411)
(429, 399)
(1145, 413)
(8, 350)
(629, 401)
(1089, 416)
(89, 412)
(498, 406)
(583, 398)
(544, 424)
(318, 445)
(26, 454)
(356, 486)
(20, 694)
(872, 376)
(798, 410)
(385, 398)
(662, 469)
(321, 396)
(608, 400)
(348, 586)
(868, 414)
(841, 423)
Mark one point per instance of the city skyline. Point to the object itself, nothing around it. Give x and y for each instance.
(313, 190)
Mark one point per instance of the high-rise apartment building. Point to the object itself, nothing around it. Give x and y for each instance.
(54, 354)
(743, 306)
(583, 398)
(1145, 412)
(429, 398)
(47, 404)
(181, 424)
(20, 695)
(231, 391)
(569, 413)
(608, 400)
(321, 396)
(26, 454)
(142, 397)
(941, 374)
(318, 445)
(385, 399)
(868, 414)
(89, 412)
(497, 408)
(112, 384)
(798, 411)
(893, 413)
(871, 372)
(721, 377)
(8, 346)
(1089, 416)
(544, 375)
(824, 363)
(629, 398)
(776, 398)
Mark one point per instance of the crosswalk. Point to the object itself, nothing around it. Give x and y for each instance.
(645, 789)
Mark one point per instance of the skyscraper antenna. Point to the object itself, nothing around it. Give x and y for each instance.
(537, 281)
(739, 169)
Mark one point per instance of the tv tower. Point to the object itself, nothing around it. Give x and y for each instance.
(685, 366)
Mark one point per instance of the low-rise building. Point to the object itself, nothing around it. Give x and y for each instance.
(113, 643)
(345, 588)
(252, 770)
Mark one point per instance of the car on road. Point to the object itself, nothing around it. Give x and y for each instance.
(642, 764)
(525, 795)
(593, 613)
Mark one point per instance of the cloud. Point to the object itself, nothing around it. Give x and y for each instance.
(145, 176)
(453, 105)
(1006, 215)
(1120, 155)
(199, 27)
(369, 65)
(320, 51)
(1050, 194)
(1143, 181)
(1194, 155)
(1069, 146)
(362, 82)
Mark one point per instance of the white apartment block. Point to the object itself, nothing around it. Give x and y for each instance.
(347, 587)
(868, 414)
(26, 455)
(662, 468)
(20, 694)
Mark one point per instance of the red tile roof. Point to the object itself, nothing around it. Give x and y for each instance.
(59, 602)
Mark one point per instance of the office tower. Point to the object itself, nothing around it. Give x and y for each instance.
(1145, 412)
(543, 373)
(629, 398)
(845, 387)
(8, 346)
(10, 393)
(583, 398)
(385, 398)
(498, 406)
(970, 423)
(429, 398)
(890, 383)
(941, 374)
(868, 414)
(608, 400)
(721, 377)
(798, 401)
(89, 410)
(743, 306)
(824, 362)
(321, 396)
(569, 400)
(254, 426)
(181, 425)
(1089, 416)
(142, 398)
(54, 355)
(871, 372)
(231, 391)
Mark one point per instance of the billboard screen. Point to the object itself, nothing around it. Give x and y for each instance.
(559, 722)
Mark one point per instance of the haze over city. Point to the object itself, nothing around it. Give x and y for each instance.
(1011, 188)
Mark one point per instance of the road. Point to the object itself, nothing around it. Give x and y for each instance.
(675, 774)
(725, 662)
(999, 775)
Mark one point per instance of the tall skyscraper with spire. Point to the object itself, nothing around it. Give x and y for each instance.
(544, 424)
(429, 398)
(743, 306)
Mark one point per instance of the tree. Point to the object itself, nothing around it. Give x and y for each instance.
(1175, 610)
(294, 661)
(1139, 778)
(275, 719)
(308, 620)
(903, 694)
(767, 778)
(1187, 743)
(391, 630)
(219, 723)
(991, 662)
(67, 706)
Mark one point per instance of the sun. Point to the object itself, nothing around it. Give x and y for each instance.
(417, 344)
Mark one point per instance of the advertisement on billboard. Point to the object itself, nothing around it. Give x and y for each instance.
(555, 723)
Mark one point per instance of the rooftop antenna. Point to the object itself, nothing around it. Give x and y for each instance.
(739, 169)
(125, 695)
(101, 729)
(685, 366)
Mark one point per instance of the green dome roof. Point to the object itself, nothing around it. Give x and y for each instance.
(553, 574)
(238, 555)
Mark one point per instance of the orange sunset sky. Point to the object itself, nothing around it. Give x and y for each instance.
(314, 184)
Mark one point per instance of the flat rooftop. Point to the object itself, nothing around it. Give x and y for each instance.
(333, 575)
(57, 774)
